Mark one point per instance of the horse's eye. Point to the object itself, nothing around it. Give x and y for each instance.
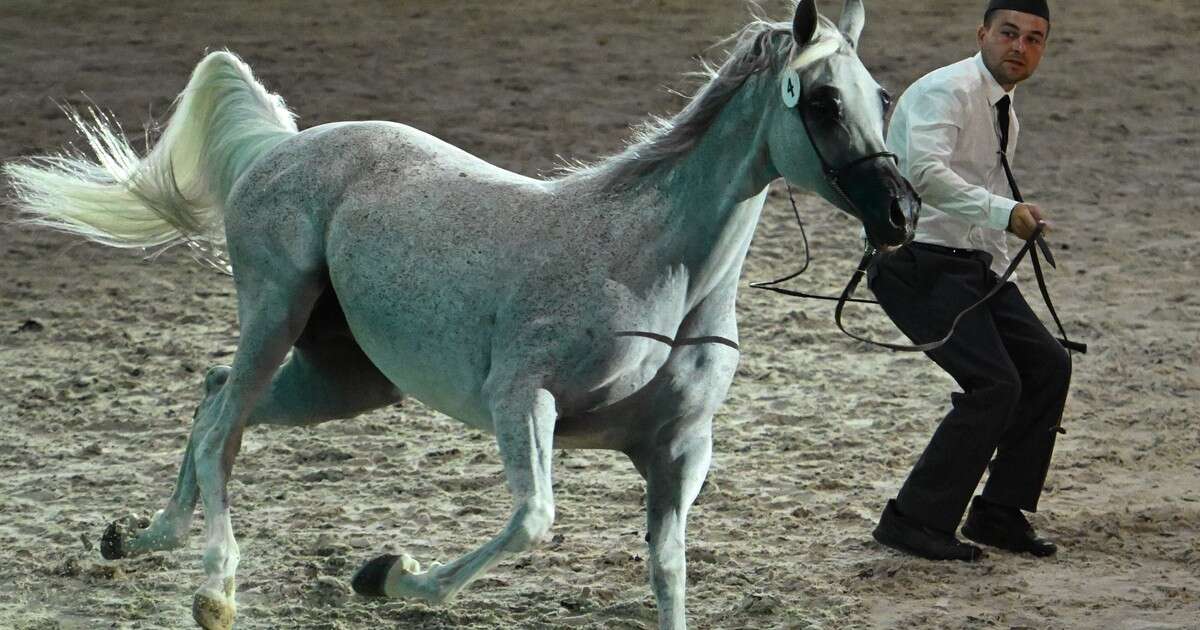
(827, 103)
(886, 100)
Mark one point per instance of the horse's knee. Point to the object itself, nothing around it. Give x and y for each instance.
(668, 566)
(666, 549)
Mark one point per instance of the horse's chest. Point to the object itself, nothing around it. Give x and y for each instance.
(632, 369)
(614, 369)
(690, 383)
(649, 368)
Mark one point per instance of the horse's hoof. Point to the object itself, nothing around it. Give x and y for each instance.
(213, 611)
(369, 579)
(113, 543)
(398, 577)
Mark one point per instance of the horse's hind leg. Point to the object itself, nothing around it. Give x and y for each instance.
(524, 426)
(272, 313)
(279, 274)
(168, 529)
(327, 377)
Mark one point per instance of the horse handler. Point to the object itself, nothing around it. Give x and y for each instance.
(954, 132)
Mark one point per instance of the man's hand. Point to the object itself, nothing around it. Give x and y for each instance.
(1024, 220)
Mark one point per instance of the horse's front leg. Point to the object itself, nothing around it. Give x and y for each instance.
(675, 469)
(523, 418)
(673, 455)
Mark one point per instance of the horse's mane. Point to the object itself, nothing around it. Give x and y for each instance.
(658, 141)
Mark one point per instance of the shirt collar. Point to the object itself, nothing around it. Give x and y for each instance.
(990, 85)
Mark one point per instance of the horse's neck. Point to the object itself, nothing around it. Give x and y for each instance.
(711, 197)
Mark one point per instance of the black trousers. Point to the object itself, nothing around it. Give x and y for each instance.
(1014, 375)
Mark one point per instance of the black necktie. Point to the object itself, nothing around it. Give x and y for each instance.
(1002, 107)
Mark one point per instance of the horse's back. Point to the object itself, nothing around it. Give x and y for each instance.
(342, 182)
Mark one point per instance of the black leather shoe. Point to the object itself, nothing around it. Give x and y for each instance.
(911, 537)
(1004, 527)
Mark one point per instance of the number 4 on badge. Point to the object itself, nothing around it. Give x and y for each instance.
(791, 87)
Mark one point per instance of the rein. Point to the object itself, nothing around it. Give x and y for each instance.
(868, 259)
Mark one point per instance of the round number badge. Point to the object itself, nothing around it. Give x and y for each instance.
(790, 86)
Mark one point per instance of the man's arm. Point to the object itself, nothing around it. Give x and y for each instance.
(932, 134)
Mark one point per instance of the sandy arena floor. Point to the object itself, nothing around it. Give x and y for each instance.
(97, 393)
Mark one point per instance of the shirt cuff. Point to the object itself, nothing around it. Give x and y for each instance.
(1000, 212)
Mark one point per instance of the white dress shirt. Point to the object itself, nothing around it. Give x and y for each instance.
(945, 133)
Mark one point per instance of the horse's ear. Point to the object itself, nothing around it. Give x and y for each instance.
(854, 17)
(804, 25)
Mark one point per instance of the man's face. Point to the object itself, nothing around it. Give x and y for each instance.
(1012, 44)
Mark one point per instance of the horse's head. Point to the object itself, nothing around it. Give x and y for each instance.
(826, 127)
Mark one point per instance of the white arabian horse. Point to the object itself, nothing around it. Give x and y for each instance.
(591, 310)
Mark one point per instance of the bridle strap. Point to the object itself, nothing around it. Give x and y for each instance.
(770, 285)
(833, 175)
(837, 173)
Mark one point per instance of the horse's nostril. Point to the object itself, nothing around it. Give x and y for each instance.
(896, 216)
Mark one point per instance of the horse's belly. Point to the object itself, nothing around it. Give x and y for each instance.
(445, 376)
(433, 347)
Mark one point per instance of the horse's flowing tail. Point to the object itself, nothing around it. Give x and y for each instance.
(222, 122)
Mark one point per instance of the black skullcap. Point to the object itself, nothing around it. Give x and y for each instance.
(1035, 7)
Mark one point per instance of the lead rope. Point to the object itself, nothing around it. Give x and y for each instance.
(1003, 121)
(868, 259)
